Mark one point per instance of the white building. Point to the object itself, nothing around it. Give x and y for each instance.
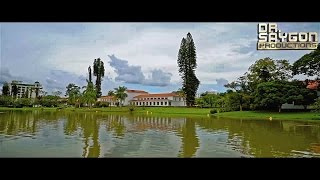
(143, 98)
(23, 88)
(164, 99)
(131, 94)
(109, 99)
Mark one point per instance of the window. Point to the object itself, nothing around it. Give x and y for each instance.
(154, 103)
(143, 103)
(158, 98)
(137, 103)
(162, 98)
(158, 103)
(161, 103)
(147, 103)
(169, 103)
(165, 103)
(166, 98)
(140, 103)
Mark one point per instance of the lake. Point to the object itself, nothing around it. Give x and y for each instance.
(82, 134)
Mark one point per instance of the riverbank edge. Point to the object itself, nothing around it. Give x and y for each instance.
(179, 111)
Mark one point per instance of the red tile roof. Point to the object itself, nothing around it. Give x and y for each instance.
(136, 91)
(156, 95)
(106, 97)
(150, 100)
(313, 85)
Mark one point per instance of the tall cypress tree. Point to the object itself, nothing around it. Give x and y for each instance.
(187, 63)
(98, 71)
(90, 74)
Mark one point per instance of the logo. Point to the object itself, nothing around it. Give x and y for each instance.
(270, 37)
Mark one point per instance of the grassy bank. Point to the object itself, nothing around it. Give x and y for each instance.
(274, 115)
(145, 110)
(183, 111)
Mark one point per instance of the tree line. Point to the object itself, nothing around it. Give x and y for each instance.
(268, 84)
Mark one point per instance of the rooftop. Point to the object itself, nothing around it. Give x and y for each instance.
(156, 95)
(136, 91)
(106, 97)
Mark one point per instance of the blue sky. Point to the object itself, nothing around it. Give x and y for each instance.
(136, 55)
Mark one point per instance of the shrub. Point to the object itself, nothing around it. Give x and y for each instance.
(317, 106)
(105, 104)
(131, 108)
(213, 111)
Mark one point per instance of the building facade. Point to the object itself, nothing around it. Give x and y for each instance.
(131, 94)
(143, 98)
(23, 89)
(108, 99)
(164, 99)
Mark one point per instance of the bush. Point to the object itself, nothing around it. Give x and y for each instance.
(131, 108)
(105, 104)
(98, 104)
(317, 106)
(213, 111)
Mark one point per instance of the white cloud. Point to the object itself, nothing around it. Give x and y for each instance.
(224, 50)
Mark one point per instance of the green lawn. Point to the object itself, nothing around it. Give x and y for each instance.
(147, 110)
(274, 115)
(179, 111)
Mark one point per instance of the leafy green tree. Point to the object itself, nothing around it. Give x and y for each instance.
(73, 93)
(210, 99)
(300, 95)
(271, 95)
(5, 100)
(98, 71)
(200, 102)
(120, 94)
(89, 94)
(187, 63)
(308, 64)
(49, 101)
(5, 89)
(267, 69)
(317, 105)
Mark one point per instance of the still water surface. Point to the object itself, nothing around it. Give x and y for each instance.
(79, 134)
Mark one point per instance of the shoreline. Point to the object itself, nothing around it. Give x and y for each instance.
(183, 111)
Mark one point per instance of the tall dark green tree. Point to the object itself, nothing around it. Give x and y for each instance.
(5, 89)
(90, 73)
(98, 71)
(187, 63)
(14, 90)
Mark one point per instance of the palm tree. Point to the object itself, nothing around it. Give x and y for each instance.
(89, 94)
(121, 94)
(111, 93)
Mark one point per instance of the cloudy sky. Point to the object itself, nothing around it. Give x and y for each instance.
(136, 55)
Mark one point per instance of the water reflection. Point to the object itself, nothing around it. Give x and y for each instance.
(59, 133)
